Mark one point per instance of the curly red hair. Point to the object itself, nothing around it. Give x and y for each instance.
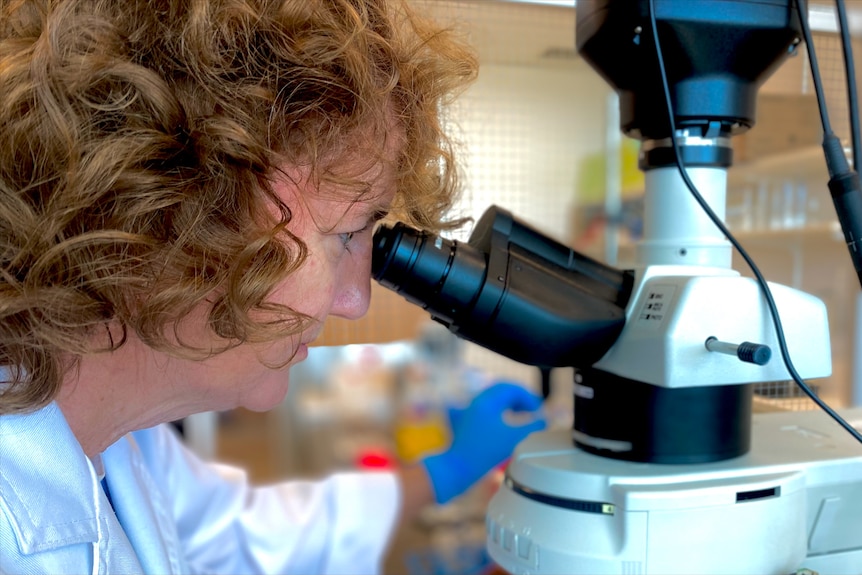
(138, 141)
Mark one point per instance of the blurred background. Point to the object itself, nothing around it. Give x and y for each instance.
(539, 136)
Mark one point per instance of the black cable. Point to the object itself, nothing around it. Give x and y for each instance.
(545, 373)
(844, 185)
(850, 75)
(773, 310)
(815, 69)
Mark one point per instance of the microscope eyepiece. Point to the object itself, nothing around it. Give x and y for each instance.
(442, 276)
(509, 289)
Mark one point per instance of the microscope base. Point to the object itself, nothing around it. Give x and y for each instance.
(793, 502)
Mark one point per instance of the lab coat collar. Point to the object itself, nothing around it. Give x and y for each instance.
(39, 455)
(144, 514)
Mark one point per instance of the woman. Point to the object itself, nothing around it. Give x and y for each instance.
(189, 189)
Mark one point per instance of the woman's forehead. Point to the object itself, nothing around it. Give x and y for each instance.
(360, 191)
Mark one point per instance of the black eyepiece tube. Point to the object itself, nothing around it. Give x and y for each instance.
(553, 308)
(442, 276)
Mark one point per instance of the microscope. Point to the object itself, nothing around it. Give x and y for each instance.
(667, 468)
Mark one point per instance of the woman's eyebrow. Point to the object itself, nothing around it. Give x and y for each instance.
(373, 213)
(378, 214)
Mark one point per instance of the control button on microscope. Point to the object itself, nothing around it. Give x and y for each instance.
(494, 531)
(508, 540)
(524, 545)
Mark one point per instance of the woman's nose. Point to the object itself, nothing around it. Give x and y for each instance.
(353, 292)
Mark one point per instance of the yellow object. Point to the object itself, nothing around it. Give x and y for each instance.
(591, 181)
(415, 438)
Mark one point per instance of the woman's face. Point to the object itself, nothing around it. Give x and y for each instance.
(335, 279)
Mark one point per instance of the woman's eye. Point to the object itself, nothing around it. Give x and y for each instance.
(347, 237)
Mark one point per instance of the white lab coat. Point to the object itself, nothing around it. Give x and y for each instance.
(174, 513)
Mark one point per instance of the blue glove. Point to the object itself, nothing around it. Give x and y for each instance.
(481, 439)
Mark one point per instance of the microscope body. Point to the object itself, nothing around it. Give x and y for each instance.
(667, 468)
(683, 402)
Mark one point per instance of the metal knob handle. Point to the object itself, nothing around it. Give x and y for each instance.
(746, 351)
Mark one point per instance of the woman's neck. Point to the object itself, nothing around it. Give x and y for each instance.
(111, 394)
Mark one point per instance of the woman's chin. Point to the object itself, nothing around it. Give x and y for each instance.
(268, 395)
